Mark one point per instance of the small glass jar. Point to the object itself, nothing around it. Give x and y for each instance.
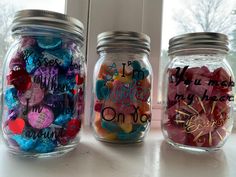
(198, 92)
(43, 84)
(122, 85)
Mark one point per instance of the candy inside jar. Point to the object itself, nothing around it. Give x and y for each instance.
(43, 88)
(122, 93)
(199, 97)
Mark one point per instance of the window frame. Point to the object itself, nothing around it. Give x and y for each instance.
(148, 20)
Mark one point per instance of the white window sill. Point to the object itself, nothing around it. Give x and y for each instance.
(152, 158)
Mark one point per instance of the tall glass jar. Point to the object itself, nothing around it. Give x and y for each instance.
(43, 84)
(198, 92)
(122, 85)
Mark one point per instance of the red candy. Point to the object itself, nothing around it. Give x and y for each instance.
(16, 126)
(20, 79)
(176, 134)
(98, 106)
(73, 128)
(79, 80)
(198, 106)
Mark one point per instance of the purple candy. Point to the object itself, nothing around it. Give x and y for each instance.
(31, 97)
(17, 62)
(27, 42)
(47, 77)
(41, 118)
(70, 45)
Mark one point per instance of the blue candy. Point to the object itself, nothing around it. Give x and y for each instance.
(105, 92)
(136, 65)
(11, 98)
(110, 126)
(45, 145)
(64, 56)
(69, 82)
(62, 119)
(146, 72)
(140, 74)
(131, 136)
(102, 91)
(25, 144)
(49, 42)
(33, 60)
(99, 85)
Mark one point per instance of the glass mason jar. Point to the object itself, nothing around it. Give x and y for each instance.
(198, 92)
(43, 84)
(122, 85)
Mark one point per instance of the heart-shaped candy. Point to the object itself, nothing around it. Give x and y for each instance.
(16, 126)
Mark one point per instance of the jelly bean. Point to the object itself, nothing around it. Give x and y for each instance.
(110, 126)
(145, 72)
(126, 79)
(144, 107)
(105, 91)
(132, 135)
(98, 106)
(101, 131)
(121, 101)
(102, 91)
(127, 125)
(136, 65)
(109, 84)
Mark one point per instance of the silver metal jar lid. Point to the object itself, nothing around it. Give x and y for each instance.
(49, 19)
(123, 40)
(201, 40)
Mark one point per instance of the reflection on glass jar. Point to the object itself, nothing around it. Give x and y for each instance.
(198, 92)
(43, 84)
(122, 87)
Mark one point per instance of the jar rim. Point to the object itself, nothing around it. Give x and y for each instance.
(123, 39)
(49, 19)
(198, 41)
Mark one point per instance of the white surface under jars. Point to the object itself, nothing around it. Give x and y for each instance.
(153, 158)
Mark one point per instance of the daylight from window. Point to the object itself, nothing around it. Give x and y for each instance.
(9, 7)
(186, 16)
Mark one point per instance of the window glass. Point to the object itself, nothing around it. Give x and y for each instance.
(9, 7)
(184, 16)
